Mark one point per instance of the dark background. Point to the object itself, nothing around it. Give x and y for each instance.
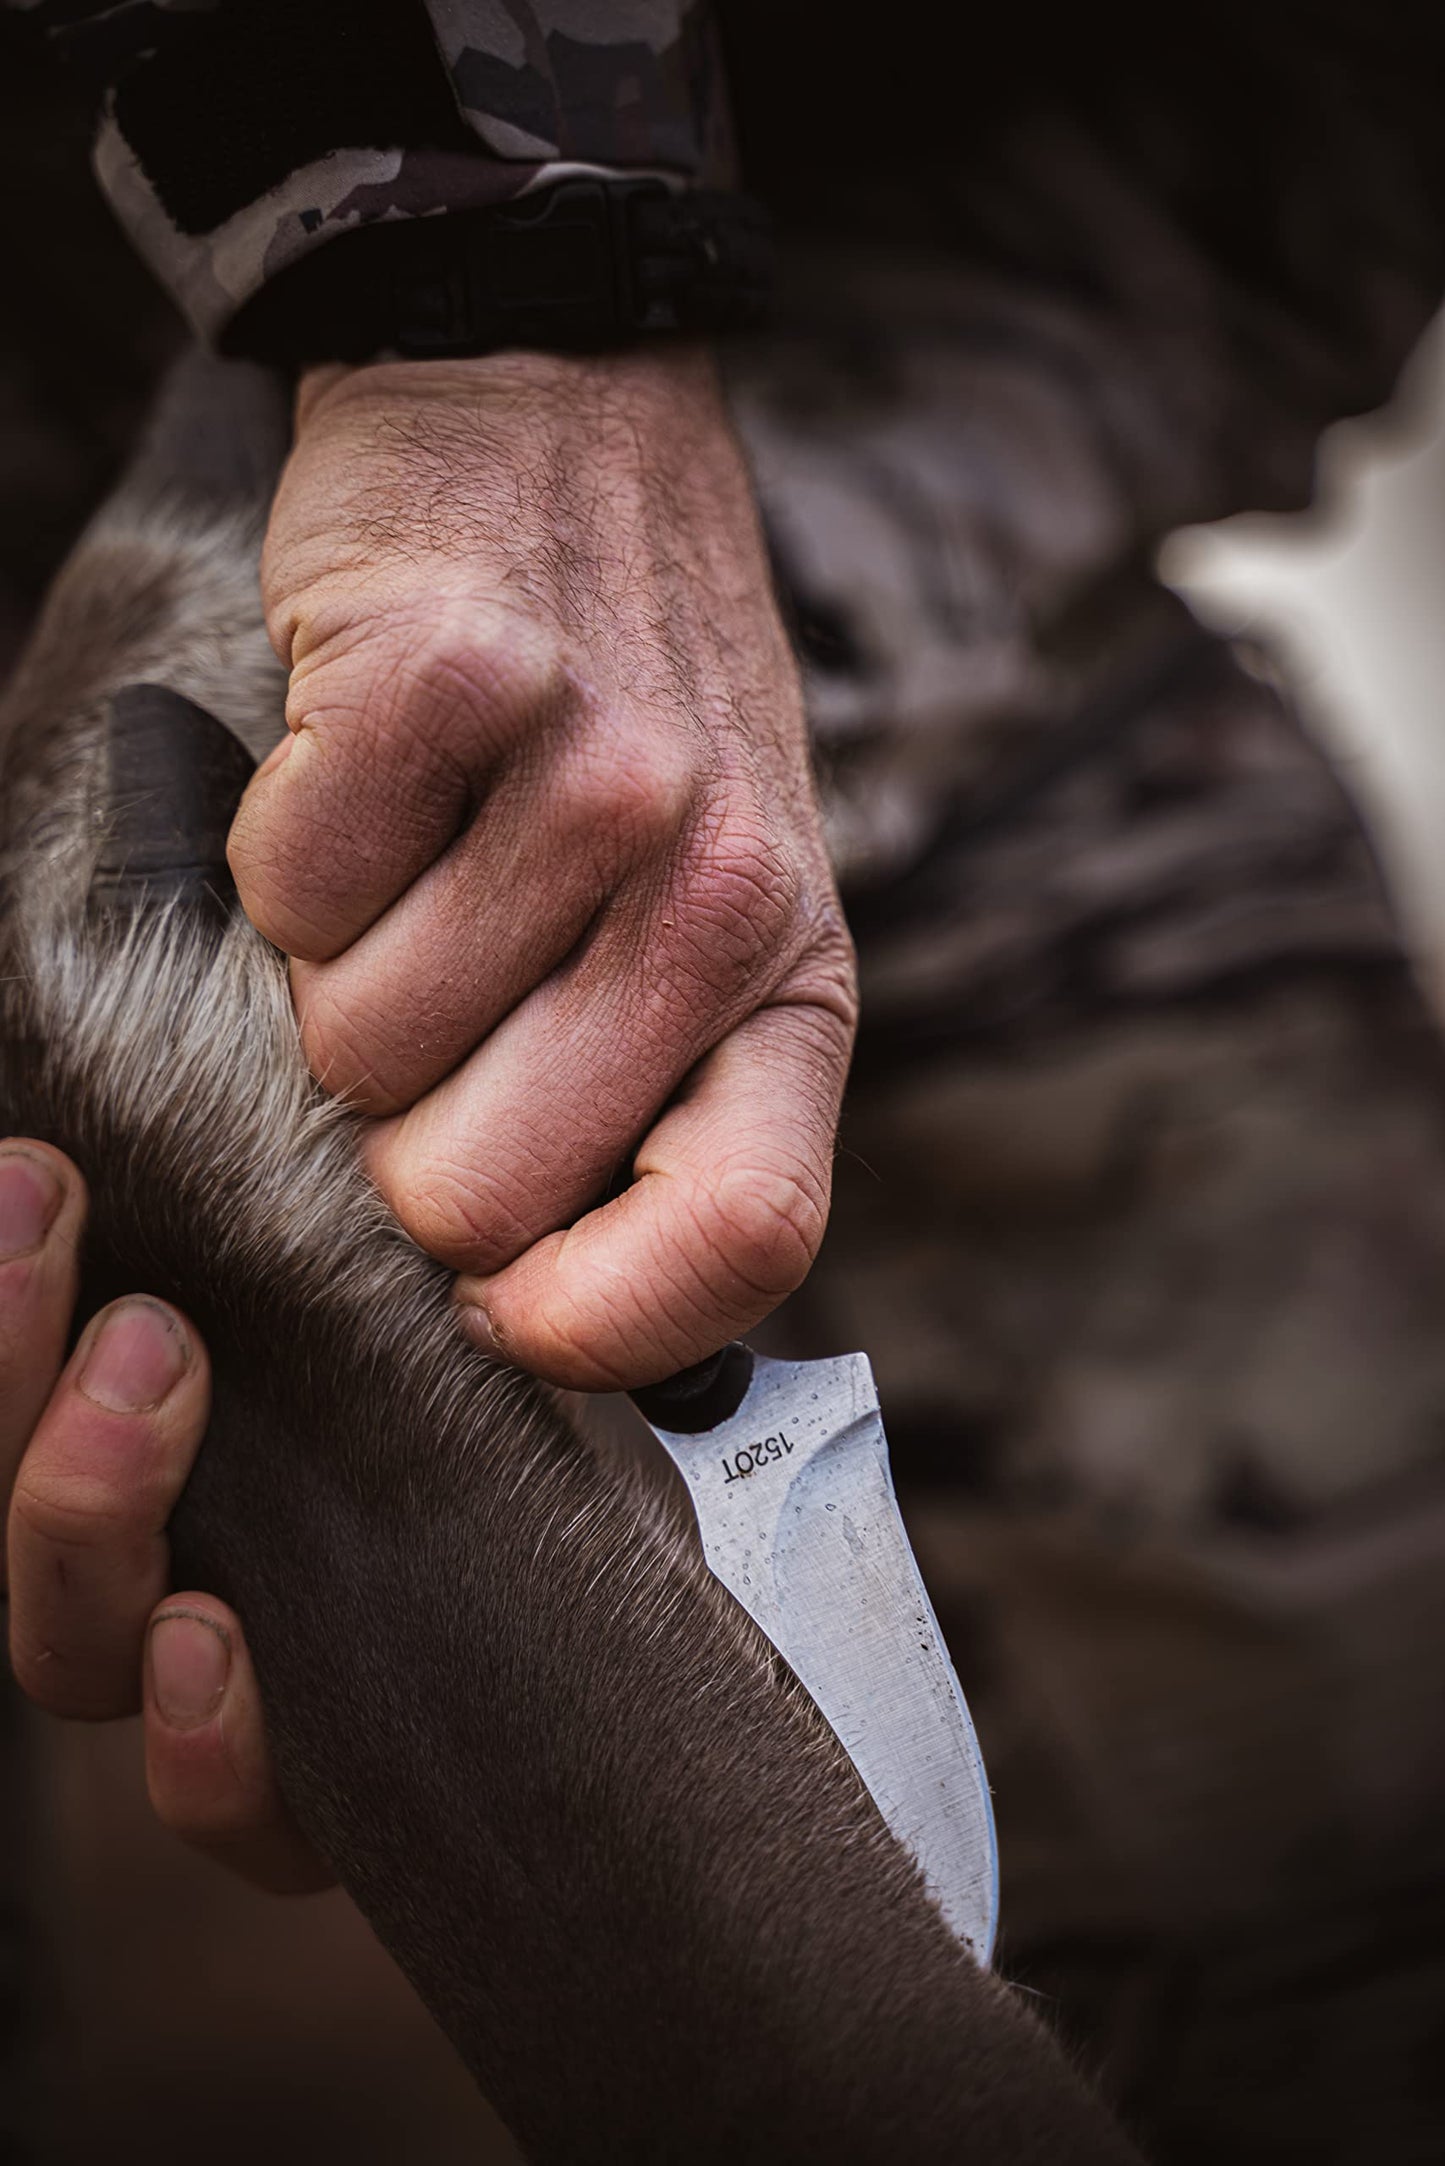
(1209, 1666)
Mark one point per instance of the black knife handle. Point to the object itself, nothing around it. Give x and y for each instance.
(698, 1398)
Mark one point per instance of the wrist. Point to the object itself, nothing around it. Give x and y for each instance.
(675, 380)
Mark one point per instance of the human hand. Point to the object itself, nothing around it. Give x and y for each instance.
(94, 1453)
(543, 846)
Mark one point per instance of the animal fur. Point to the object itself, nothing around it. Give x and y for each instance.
(628, 1867)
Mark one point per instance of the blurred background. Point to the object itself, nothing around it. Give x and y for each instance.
(1102, 457)
(1350, 598)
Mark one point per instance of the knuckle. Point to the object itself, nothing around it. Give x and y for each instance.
(462, 1216)
(346, 1046)
(253, 863)
(72, 1512)
(739, 906)
(283, 886)
(643, 794)
(466, 673)
(828, 976)
(571, 1344)
(214, 1821)
(764, 1224)
(19, 1276)
(752, 886)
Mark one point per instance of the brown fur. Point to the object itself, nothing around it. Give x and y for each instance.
(627, 1866)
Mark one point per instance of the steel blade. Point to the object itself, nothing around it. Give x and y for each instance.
(795, 1505)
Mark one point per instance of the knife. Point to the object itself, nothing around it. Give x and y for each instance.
(786, 1464)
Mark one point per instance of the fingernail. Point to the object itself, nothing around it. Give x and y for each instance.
(190, 1666)
(137, 1357)
(478, 1325)
(30, 1197)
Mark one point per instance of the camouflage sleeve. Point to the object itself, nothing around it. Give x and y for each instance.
(614, 83)
(237, 136)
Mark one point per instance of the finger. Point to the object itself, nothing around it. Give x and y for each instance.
(42, 1214)
(397, 725)
(488, 922)
(528, 1131)
(723, 1220)
(88, 1555)
(208, 1766)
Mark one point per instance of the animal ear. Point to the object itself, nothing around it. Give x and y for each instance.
(172, 777)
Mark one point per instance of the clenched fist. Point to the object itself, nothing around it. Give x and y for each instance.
(543, 846)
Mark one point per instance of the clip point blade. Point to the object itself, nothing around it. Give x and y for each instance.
(795, 1505)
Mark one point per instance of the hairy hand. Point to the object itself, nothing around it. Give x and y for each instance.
(94, 1452)
(543, 846)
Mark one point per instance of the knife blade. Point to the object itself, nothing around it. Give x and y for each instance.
(786, 1464)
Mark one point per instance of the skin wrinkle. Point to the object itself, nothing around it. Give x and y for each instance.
(628, 508)
(486, 1244)
(673, 1274)
(442, 784)
(79, 1515)
(428, 925)
(445, 1196)
(761, 1213)
(675, 1267)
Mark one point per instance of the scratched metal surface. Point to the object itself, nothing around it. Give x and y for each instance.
(795, 1505)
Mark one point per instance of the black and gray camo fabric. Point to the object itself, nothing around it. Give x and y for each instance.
(1140, 1209)
(239, 136)
(1140, 1201)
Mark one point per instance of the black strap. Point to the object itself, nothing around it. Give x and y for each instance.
(583, 266)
